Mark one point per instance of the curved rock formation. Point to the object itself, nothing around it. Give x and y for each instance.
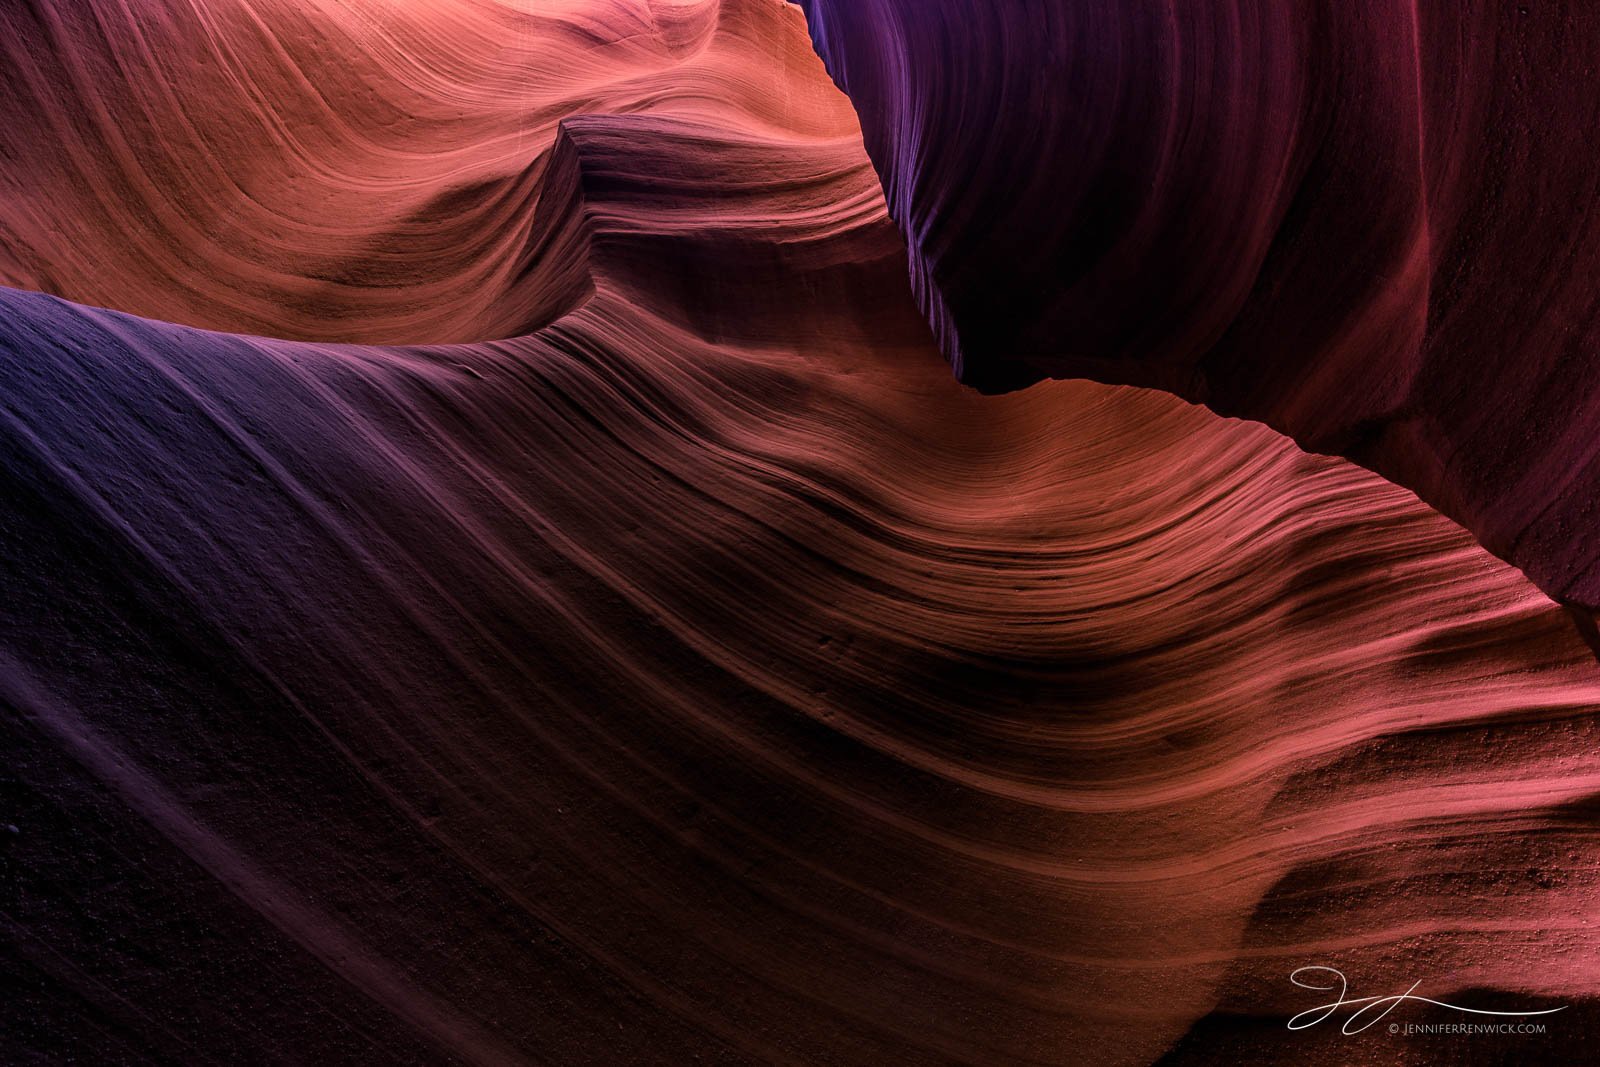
(701, 674)
(1371, 226)
(360, 172)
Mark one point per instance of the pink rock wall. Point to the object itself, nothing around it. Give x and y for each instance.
(513, 581)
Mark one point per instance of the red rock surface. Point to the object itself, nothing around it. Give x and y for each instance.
(1369, 225)
(681, 666)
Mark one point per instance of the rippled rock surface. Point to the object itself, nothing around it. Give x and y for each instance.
(1370, 225)
(513, 581)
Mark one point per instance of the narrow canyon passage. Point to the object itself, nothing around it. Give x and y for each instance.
(515, 580)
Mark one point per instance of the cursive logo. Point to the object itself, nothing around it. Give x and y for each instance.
(1307, 977)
